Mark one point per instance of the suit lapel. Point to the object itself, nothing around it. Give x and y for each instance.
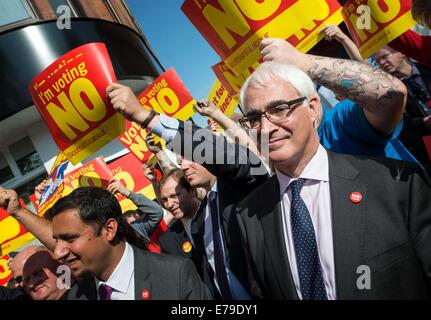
(348, 227)
(142, 273)
(274, 239)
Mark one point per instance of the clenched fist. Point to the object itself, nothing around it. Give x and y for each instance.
(124, 101)
(9, 201)
(281, 51)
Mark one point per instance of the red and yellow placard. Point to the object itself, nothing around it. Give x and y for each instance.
(220, 96)
(129, 171)
(235, 28)
(230, 81)
(12, 234)
(167, 95)
(5, 272)
(134, 140)
(376, 23)
(93, 173)
(71, 98)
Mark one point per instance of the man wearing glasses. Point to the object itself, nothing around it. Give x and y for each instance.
(331, 226)
(325, 226)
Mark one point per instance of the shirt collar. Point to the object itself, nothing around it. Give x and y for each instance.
(316, 169)
(214, 186)
(123, 273)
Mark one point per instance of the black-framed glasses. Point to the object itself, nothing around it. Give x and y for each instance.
(276, 114)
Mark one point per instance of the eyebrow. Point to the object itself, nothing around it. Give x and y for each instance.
(269, 105)
(66, 236)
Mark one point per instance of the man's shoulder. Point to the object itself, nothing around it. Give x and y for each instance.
(158, 260)
(265, 194)
(374, 170)
(176, 228)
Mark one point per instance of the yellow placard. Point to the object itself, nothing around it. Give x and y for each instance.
(373, 24)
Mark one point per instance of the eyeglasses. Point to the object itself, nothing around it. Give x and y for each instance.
(276, 114)
(383, 57)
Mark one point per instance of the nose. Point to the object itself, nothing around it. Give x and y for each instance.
(185, 164)
(61, 251)
(265, 124)
(170, 203)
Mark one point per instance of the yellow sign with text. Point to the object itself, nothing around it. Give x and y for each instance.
(373, 24)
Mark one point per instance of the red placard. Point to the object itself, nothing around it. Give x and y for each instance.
(93, 173)
(70, 95)
(167, 95)
(13, 235)
(5, 272)
(235, 28)
(373, 24)
(129, 171)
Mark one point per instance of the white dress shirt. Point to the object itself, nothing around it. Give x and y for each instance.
(316, 195)
(122, 280)
(237, 290)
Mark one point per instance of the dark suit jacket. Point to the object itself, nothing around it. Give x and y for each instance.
(389, 231)
(13, 294)
(234, 181)
(172, 242)
(166, 277)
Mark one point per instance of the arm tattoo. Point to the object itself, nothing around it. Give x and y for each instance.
(374, 90)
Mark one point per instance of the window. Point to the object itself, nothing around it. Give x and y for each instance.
(15, 12)
(21, 168)
(25, 156)
(56, 3)
(6, 173)
(25, 190)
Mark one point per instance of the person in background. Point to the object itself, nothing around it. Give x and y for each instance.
(417, 116)
(151, 212)
(412, 44)
(36, 272)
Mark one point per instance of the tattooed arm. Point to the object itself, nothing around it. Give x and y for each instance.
(381, 95)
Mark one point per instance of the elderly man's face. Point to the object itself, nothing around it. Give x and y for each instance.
(289, 136)
(39, 277)
(390, 61)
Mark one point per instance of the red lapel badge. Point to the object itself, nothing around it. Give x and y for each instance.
(355, 197)
(145, 294)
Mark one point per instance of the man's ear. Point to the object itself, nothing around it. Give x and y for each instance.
(315, 108)
(110, 229)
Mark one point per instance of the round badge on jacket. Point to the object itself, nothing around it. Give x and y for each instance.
(355, 197)
(187, 246)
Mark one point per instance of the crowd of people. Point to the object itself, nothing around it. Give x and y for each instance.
(295, 200)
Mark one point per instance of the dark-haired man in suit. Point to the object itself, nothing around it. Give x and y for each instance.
(103, 251)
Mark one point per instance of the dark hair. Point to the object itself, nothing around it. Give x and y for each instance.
(131, 213)
(178, 176)
(421, 11)
(95, 206)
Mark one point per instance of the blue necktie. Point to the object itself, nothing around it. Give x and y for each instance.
(220, 268)
(304, 240)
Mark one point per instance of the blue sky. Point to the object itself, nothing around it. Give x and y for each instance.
(177, 43)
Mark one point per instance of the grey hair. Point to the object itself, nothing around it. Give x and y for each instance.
(269, 70)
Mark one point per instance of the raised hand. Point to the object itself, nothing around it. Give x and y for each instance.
(115, 186)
